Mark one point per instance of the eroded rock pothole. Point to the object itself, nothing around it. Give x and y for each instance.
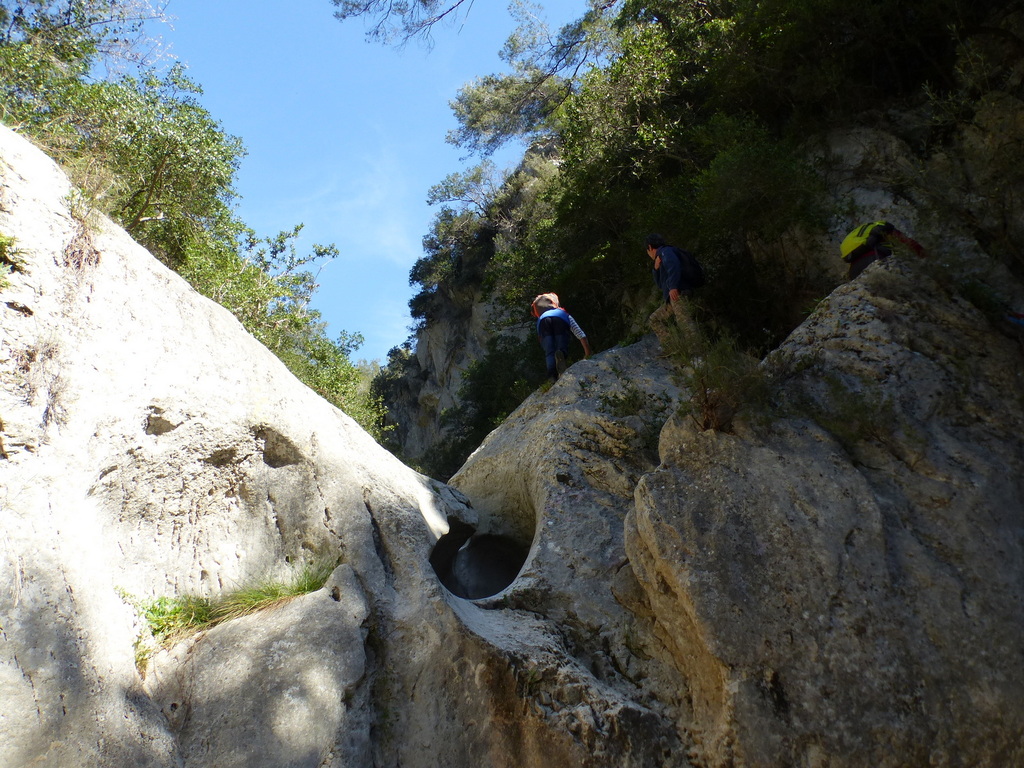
(477, 565)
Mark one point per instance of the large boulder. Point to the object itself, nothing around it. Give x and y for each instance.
(150, 447)
(838, 581)
(845, 585)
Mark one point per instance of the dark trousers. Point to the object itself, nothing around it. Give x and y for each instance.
(858, 265)
(554, 337)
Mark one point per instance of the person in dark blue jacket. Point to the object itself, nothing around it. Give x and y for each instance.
(554, 325)
(675, 287)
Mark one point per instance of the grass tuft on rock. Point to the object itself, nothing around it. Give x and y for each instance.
(170, 620)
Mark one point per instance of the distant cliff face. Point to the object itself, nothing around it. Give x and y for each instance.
(958, 196)
(434, 372)
(868, 168)
(836, 582)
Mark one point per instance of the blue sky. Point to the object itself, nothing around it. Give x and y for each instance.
(343, 135)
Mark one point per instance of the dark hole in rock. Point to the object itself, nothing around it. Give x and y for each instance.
(278, 450)
(156, 424)
(473, 565)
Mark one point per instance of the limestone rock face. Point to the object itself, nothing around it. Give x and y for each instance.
(306, 659)
(150, 447)
(430, 385)
(836, 583)
(855, 591)
(559, 475)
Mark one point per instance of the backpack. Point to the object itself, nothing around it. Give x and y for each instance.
(691, 271)
(854, 244)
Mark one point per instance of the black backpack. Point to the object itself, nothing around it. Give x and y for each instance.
(690, 269)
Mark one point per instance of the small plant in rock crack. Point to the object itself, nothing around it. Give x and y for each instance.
(9, 253)
(723, 379)
(308, 578)
(172, 619)
(11, 260)
(629, 402)
(81, 206)
(166, 620)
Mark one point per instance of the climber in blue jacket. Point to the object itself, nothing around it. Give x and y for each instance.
(677, 273)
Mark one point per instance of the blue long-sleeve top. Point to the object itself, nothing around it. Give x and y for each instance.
(669, 274)
(561, 314)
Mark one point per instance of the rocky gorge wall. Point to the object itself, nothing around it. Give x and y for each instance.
(432, 376)
(838, 584)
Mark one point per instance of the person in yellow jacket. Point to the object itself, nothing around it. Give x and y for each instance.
(872, 241)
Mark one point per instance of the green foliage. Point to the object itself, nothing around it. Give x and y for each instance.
(173, 165)
(809, 59)
(388, 386)
(457, 243)
(493, 109)
(308, 578)
(988, 86)
(691, 119)
(11, 259)
(143, 151)
(140, 147)
(752, 182)
(47, 48)
(723, 378)
(172, 617)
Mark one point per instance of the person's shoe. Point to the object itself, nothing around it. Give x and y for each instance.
(560, 362)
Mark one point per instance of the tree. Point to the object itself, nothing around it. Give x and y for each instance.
(141, 147)
(52, 40)
(403, 20)
(546, 69)
(173, 163)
